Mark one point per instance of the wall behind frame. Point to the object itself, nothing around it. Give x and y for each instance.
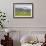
(39, 13)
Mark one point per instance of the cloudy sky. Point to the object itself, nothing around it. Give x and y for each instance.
(24, 6)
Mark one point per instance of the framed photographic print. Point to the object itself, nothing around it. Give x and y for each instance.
(22, 9)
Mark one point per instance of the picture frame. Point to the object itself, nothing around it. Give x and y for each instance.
(22, 10)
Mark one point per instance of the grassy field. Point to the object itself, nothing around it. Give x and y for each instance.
(23, 13)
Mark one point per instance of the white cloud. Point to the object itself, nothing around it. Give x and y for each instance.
(23, 6)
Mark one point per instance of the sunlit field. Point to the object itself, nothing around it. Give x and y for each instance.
(23, 12)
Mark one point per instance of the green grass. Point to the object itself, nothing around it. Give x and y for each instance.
(23, 13)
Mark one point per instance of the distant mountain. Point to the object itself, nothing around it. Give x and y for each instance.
(23, 9)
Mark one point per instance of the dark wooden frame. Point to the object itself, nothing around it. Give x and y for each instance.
(22, 3)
